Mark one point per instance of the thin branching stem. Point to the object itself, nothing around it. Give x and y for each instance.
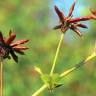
(78, 65)
(56, 55)
(1, 78)
(52, 70)
(65, 73)
(40, 90)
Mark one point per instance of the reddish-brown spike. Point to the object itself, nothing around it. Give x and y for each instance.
(93, 11)
(20, 47)
(11, 38)
(80, 19)
(19, 51)
(93, 16)
(77, 31)
(11, 33)
(1, 37)
(14, 56)
(71, 9)
(81, 25)
(60, 14)
(19, 42)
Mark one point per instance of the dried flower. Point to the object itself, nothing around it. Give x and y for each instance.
(69, 22)
(9, 48)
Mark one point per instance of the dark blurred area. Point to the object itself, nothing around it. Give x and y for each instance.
(34, 20)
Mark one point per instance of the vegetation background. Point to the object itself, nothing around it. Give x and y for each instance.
(34, 20)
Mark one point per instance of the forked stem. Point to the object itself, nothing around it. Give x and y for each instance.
(56, 55)
(53, 67)
(1, 78)
(62, 75)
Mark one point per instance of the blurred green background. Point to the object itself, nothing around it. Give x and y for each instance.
(34, 20)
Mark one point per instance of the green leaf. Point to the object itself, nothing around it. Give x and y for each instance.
(58, 85)
(38, 70)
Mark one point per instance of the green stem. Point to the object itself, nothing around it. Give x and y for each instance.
(56, 55)
(78, 65)
(1, 78)
(40, 90)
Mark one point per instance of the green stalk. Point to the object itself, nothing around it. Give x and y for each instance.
(56, 55)
(53, 67)
(78, 65)
(40, 90)
(1, 78)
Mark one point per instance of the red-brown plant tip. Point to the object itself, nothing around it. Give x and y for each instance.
(93, 14)
(60, 14)
(19, 42)
(71, 9)
(8, 48)
(11, 38)
(70, 23)
(86, 18)
(81, 25)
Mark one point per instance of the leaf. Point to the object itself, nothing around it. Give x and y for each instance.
(58, 85)
(38, 70)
